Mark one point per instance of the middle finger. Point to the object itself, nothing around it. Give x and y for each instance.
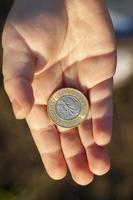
(75, 156)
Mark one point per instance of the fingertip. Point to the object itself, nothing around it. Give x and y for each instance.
(102, 129)
(99, 162)
(84, 180)
(21, 111)
(101, 169)
(79, 169)
(55, 165)
(102, 138)
(58, 174)
(20, 93)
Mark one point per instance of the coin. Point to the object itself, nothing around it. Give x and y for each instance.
(68, 107)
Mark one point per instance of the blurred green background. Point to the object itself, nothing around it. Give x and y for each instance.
(22, 176)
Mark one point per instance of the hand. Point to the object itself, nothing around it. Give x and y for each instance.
(54, 44)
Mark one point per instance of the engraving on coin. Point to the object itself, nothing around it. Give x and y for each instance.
(68, 107)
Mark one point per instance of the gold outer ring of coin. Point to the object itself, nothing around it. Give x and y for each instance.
(69, 123)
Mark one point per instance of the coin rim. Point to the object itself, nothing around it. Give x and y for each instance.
(51, 107)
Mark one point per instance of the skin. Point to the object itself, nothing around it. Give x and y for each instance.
(49, 45)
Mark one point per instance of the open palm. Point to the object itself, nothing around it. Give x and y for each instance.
(55, 44)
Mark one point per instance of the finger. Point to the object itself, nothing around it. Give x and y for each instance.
(86, 132)
(47, 141)
(97, 156)
(101, 110)
(75, 156)
(98, 159)
(18, 71)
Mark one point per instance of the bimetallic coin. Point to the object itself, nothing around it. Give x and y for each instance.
(68, 107)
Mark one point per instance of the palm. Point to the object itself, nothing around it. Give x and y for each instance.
(70, 48)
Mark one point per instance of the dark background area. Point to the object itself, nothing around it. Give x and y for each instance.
(22, 175)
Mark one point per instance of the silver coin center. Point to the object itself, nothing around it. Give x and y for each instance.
(68, 107)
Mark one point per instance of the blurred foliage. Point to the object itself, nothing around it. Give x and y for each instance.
(22, 176)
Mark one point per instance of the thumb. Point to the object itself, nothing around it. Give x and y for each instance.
(18, 72)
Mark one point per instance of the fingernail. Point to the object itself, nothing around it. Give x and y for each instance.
(17, 109)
